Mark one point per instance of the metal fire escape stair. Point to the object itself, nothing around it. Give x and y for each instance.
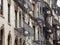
(21, 4)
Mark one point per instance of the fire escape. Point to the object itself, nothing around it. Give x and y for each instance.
(47, 13)
(47, 26)
(20, 3)
(56, 25)
(37, 20)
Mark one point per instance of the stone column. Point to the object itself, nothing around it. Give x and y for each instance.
(36, 32)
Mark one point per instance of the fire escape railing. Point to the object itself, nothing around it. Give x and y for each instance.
(25, 10)
(56, 23)
(21, 4)
(20, 30)
(28, 28)
(47, 25)
(35, 19)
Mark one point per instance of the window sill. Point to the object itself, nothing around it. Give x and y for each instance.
(9, 24)
(1, 16)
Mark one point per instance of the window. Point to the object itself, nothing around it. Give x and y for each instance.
(38, 32)
(21, 41)
(8, 13)
(1, 7)
(16, 41)
(28, 20)
(9, 39)
(15, 18)
(34, 32)
(20, 18)
(1, 37)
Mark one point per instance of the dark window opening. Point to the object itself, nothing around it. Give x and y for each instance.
(20, 18)
(15, 18)
(28, 23)
(21, 41)
(8, 13)
(38, 34)
(15, 41)
(1, 37)
(9, 39)
(34, 32)
(1, 7)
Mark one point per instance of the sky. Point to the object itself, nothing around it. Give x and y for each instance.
(58, 3)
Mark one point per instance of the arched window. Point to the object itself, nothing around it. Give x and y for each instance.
(1, 7)
(24, 42)
(9, 39)
(20, 18)
(20, 41)
(16, 41)
(1, 37)
(9, 3)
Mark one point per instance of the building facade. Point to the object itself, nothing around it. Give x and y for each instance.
(29, 22)
(18, 23)
(52, 19)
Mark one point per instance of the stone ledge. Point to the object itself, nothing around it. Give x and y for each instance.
(2, 16)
